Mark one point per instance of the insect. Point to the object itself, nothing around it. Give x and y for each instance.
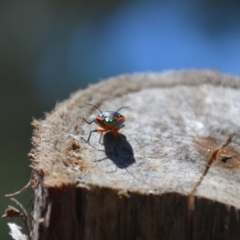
(108, 121)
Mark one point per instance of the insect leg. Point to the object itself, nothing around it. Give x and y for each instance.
(94, 120)
(119, 136)
(100, 139)
(96, 130)
(122, 126)
(89, 136)
(101, 131)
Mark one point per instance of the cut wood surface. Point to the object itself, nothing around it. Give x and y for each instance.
(177, 176)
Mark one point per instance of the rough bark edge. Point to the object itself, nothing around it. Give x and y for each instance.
(41, 154)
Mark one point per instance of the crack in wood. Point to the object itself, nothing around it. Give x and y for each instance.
(191, 199)
(210, 162)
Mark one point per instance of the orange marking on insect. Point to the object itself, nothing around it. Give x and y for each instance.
(108, 121)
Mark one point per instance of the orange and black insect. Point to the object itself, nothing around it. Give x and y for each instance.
(108, 121)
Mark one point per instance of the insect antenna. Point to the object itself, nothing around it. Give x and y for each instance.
(94, 106)
(122, 108)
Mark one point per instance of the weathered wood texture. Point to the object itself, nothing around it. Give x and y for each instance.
(177, 177)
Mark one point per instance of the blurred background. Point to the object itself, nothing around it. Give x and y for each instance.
(49, 49)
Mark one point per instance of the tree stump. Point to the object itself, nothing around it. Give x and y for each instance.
(176, 176)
